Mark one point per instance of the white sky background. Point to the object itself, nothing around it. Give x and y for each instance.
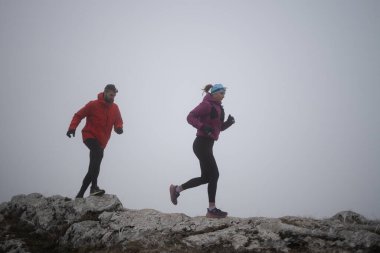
(303, 85)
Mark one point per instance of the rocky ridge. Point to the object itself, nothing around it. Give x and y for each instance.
(34, 223)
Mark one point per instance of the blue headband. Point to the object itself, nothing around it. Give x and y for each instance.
(217, 87)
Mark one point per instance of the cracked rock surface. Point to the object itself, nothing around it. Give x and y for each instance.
(34, 223)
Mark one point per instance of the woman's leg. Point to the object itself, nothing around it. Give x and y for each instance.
(209, 171)
(203, 150)
(213, 176)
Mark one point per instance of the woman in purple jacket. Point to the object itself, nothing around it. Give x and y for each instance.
(208, 118)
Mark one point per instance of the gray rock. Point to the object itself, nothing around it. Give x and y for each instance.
(85, 234)
(350, 217)
(101, 224)
(13, 246)
(49, 218)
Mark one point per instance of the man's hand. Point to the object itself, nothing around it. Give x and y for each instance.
(71, 132)
(119, 130)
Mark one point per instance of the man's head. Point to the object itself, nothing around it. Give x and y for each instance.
(110, 93)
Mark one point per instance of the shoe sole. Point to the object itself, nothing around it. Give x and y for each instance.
(99, 193)
(215, 216)
(172, 192)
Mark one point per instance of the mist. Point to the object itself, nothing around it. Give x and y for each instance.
(303, 84)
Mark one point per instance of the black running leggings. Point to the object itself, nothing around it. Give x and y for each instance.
(96, 156)
(209, 169)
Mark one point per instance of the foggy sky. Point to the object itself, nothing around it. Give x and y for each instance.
(303, 85)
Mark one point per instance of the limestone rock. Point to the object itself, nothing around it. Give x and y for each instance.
(34, 223)
(350, 217)
(13, 246)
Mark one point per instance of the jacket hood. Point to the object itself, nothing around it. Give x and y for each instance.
(102, 100)
(208, 97)
(101, 96)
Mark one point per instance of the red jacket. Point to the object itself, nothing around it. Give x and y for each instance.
(100, 118)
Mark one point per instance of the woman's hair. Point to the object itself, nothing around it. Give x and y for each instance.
(207, 88)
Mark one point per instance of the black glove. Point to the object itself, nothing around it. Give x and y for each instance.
(119, 130)
(207, 129)
(71, 132)
(230, 120)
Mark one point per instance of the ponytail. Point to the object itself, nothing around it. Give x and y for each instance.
(207, 88)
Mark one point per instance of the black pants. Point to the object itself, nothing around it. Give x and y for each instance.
(96, 156)
(209, 169)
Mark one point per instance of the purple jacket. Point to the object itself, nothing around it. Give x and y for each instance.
(208, 113)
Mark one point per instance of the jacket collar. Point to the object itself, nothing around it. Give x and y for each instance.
(210, 99)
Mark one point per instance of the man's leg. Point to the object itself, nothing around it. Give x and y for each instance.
(96, 156)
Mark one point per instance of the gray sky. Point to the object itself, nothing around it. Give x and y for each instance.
(303, 85)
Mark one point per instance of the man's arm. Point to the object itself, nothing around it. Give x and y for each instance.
(118, 125)
(77, 118)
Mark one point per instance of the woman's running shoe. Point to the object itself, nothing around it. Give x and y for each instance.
(173, 194)
(216, 213)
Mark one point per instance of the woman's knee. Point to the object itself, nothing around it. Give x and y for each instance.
(214, 177)
(205, 179)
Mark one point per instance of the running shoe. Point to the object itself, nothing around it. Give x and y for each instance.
(173, 194)
(216, 213)
(95, 191)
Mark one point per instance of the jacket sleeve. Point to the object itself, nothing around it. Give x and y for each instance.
(118, 121)
(195, 115)
(79, 116)
(226, 125)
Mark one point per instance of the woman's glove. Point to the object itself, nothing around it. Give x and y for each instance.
(207, 129)
(230, 120)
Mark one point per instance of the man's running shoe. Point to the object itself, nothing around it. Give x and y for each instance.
(173, 194)
(216, 213)
(95, 191)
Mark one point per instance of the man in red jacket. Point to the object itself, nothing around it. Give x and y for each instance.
(101, 116)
